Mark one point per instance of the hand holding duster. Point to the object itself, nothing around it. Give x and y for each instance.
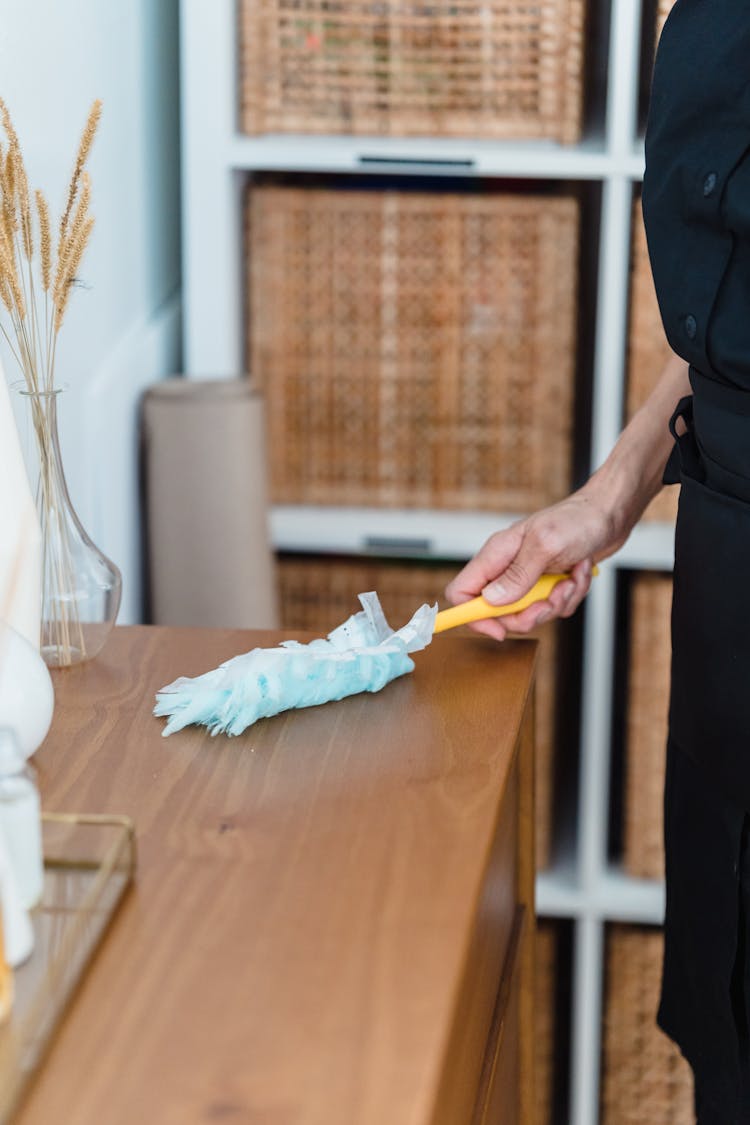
(363, 654)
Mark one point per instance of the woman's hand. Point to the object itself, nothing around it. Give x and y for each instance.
(588, 526)
(569, 536)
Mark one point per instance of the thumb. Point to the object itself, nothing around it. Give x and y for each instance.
(517, 579)
(488, 564)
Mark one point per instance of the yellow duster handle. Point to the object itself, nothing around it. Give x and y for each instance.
(478, 609)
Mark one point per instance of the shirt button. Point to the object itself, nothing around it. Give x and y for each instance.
(691, 326)
(709, 184)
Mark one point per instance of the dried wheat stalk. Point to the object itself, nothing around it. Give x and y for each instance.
(29, 277)
(35, 287)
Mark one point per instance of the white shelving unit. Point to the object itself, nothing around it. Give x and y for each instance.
(217, 159)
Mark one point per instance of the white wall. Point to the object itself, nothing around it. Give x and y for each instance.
(122, 331)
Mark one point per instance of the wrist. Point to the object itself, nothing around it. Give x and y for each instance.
(619, 496)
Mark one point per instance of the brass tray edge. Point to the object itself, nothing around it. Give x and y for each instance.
(39, 1027)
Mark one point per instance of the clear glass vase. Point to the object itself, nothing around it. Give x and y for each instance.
(81, 587)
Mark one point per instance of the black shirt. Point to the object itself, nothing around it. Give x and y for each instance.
(696, 190)
(696, 203)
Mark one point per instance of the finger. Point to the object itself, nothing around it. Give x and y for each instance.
(519, 575)
(562, 601)
(560, 596)
(490, 561)
(582, 571)
(490, 627)
(581, 579)
(529, 618)
(572, 590)
(556, 605)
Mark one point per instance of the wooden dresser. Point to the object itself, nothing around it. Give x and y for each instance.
(333, 916)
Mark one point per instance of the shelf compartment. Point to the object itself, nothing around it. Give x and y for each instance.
(552, 1003)
(395, 68)
(652, 1084)
(648, 665)
(88, 865)
(416, 348)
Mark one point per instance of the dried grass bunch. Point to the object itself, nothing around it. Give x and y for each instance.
(35, 283)
(38, 270)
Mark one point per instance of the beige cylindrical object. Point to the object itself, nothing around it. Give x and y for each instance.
(208, 544)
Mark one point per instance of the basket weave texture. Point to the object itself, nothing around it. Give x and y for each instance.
(415, 349)
(648, 702)
(648, 349)
(503, 68)
(317, 592)
(645, 1079)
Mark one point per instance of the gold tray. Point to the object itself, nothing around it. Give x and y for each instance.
(88, 865)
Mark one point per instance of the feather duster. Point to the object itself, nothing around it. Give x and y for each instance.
(362, 654)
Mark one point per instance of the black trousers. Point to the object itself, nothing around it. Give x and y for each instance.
(705, 992)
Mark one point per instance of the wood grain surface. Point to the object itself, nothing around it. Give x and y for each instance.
(297, 941)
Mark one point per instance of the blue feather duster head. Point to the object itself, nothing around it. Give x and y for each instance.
(361, 654)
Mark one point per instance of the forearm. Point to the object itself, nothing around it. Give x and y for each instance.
(632, 474)
(585, 527)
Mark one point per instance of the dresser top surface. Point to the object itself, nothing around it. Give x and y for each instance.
(305, 892)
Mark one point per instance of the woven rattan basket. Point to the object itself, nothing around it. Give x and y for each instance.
(317, 592)
(648, 349)
(389, 67)
(646, 730)
(645, 1079)
(415, 349)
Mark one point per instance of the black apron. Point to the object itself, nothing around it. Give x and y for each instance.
(706, 969)
(709, 712)
(705, 990)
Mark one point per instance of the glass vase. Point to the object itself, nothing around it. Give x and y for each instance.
(81, 587)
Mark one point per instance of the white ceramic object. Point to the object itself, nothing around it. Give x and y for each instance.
(26, 695)
(20, 534)
(18, 933)
(21, 819)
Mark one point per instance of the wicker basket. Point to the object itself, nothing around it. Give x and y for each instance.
(645, 1079)
(646, 732)
(317, 592)
(415, 349)
(648, 348)
(500, 69)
